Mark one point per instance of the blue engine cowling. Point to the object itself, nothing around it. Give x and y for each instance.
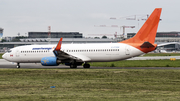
(49, 61)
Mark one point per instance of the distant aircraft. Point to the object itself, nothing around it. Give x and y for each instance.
(75, 55)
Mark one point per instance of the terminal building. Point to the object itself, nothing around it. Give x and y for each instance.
(43, 38)
(54, 34)
(168, 41)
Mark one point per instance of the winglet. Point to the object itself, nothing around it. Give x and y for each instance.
(58, 47)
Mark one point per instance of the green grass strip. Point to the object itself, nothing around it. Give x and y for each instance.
(1, 56)
(89, 85)
(138, 63)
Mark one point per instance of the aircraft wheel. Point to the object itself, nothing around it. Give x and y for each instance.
(18, 66)
(86, 65)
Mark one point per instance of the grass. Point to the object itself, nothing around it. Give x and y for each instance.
(138, 63)
(1, 56)
(89, 84)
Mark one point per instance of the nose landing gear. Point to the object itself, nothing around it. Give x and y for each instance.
(18, 66)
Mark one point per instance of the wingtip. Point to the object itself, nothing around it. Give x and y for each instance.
(58, 47)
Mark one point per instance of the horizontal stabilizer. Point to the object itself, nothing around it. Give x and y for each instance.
(147, 45)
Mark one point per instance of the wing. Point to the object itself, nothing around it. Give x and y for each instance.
(61, 55)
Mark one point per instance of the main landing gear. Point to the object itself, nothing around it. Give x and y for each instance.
(18, 66)
(86, 65)
(75, 64)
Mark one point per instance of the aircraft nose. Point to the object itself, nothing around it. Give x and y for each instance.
(4, 56)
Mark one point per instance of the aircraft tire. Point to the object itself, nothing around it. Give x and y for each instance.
(86, 65)
(18, 66)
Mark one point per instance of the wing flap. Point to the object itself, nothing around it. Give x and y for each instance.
(82, 57)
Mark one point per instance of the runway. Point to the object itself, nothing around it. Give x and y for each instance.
(5, 65)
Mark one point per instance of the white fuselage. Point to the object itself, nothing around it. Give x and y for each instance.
(86, 52)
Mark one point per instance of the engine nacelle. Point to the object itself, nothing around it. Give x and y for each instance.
(49, 61)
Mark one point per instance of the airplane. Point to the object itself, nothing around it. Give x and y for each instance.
(74, 55)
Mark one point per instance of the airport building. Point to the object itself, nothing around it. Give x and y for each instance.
(169, 41)
(54, 34)
(4, 46)
(43, 38)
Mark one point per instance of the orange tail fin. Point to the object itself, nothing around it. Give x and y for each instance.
(148, 31)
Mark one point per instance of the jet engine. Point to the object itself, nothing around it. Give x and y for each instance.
(49, 61)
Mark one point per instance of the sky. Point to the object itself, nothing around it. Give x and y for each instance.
(23, 16)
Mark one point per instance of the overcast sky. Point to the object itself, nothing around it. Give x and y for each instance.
(23, 16)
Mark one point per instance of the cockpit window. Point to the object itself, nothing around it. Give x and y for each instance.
(9, 51)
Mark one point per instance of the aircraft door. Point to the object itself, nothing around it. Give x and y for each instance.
(127, 50)
(17, 54)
